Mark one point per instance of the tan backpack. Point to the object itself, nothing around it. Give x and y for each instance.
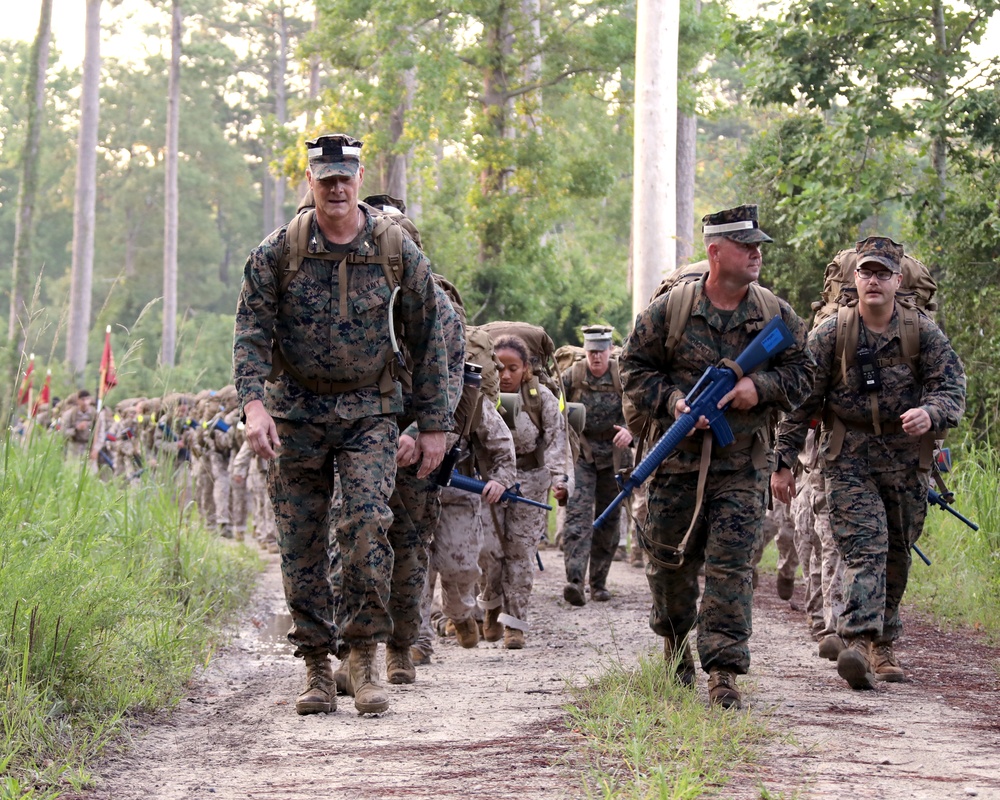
(840, 297)
(682, 284)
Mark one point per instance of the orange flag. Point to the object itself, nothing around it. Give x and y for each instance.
(24, 394)
(108, 378)
(46, 396)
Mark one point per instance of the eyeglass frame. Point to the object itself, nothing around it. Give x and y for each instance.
(877, 273)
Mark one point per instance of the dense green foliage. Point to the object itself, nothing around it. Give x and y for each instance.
(109, 595)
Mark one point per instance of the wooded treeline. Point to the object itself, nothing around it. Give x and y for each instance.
(506, 126)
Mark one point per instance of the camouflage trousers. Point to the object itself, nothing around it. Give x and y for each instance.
(510, 542)
(875, 518)
(301, 483)
(416, 507)
(779, 526)
(204, 498)
(218, 468)
(725, 539)
(455, 552)
(582, 545)
(818, 550)
(264, 528)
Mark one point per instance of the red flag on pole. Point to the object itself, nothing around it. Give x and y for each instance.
(46, 396)
(108, 377)
(24, 394)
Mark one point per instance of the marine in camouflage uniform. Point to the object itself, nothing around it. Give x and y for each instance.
(876, 444)
(459, 535)
(779, 528)
(332, 324)
(416, 508)
(77, 424)
(594, 381)
(511, 534)
(727, 532)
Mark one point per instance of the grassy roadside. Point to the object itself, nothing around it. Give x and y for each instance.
(646, 738)
(110, 596)
(962, 585)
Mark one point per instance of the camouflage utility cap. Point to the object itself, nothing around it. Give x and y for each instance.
(334, 154)
(738, 224)
(596, 337)
(880, 250)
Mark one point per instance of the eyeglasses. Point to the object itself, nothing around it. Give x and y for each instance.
(882, 274)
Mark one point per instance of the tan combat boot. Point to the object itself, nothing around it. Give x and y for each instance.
(831, 646)
(492, 629)
(399, 665)
(362, 680)
(679, 661)
(320, 696)
(513, 638)
(885, 665)
(854, 663)
(467, 632)
(722, 689)
(419, 657)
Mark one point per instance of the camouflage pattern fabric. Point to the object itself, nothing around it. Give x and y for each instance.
(326, 342)
(728, 532)
(582, 545)
(724, 541)
(595, 481)
(458, 539)
(416, 508)
(301, 483)
(455, 553)
(876, 492)
(779, 528)
(415, 502)
(511, 539)
(330, 332)
(654, 387)
(77, 441)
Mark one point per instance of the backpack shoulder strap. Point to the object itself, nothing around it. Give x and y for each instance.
(388, 235)
(577, 376)
(767, 300)
(846, 340)
(296, 246)
(680, 302)
(616, 377)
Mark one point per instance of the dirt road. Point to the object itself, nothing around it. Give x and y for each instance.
(487, 723)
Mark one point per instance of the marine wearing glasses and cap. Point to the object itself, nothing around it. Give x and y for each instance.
(334, 407)
(716, 522)
(881, 408)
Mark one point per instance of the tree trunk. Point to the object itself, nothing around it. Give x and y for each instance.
(939, 143)
(398, 178)
(687, 135)
(654, 183)
(82, 271)
(170, 192)
(280, 106)
(28, 190)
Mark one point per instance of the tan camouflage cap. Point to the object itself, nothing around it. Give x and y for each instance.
(334, 154)
(880, 250)
(738, 224)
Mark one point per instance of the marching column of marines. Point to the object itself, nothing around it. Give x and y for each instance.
(355, 373)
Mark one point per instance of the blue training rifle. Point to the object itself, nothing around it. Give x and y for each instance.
(703, 401)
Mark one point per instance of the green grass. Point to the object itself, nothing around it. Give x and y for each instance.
(110, 596)
(962, 585)
(646, 738)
